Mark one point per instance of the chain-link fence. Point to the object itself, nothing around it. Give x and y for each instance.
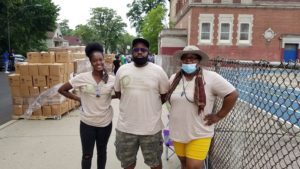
(262, 131)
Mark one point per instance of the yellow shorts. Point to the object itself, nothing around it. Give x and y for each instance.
(195, 149)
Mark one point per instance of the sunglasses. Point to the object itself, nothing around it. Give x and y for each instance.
(140, 49)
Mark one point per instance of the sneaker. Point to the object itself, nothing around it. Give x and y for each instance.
(7, 72)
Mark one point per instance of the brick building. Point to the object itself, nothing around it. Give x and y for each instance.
(235, 29)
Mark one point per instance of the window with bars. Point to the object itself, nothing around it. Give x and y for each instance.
(245, 24)
(205, 31)
(225, 32)
(244, 33)
(225, 29)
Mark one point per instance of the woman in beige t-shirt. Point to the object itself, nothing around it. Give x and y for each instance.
(96, 114)
(192, 94)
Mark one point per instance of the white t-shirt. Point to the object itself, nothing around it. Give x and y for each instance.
(140, 103)
(185, 123)
(96, 111)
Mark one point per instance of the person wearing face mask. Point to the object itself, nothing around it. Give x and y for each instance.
(141, 87)
(192, 94)
(96, 88)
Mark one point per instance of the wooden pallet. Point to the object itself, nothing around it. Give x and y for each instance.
(54, 117)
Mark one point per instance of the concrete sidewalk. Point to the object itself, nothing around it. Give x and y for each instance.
(55, 144)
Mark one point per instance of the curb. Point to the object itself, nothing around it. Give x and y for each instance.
(7, 124)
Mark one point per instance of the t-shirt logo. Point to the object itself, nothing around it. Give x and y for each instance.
(125, 81)
(88, 89)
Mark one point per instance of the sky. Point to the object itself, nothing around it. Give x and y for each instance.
(78, 11)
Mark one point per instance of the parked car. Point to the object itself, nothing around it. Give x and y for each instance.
(18, 58)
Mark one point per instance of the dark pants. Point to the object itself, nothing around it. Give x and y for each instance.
(89, 135)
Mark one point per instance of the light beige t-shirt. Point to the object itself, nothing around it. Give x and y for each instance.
(95, 111)
(140, 103)
(185, 123)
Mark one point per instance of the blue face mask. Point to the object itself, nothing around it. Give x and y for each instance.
(189, 68)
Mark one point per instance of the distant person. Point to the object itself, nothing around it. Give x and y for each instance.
(192, 94)
(128, 58)
(6, 61)
(141, 86)
(151, 58)
(12, 59)
(96, 115)
(123, 59)
(116, 64)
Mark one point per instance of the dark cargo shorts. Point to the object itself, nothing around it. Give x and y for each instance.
(127, 146)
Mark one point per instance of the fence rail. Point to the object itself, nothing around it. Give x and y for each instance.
(263, 129)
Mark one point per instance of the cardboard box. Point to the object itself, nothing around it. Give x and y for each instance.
(82, 65)
(17, 110)
(17, 100)
(46, 110)
(37, 112)
(47, 57)
(54, 80)
(57, 69)
(34, 91)
(43, 69)
(109, 58)
(28, 100)
(14, 79)
(33, 57)
(56, 109)
(39, 81)
(70, 67)
(63, 57)
(24, 91)
(44, 88)
(22, 68)
(65, 106)
(66, 78)
(57, 99)
(24, 107)
(26, 81)
(78, 55)
(33, 69)
(69, 104)
(15, 91)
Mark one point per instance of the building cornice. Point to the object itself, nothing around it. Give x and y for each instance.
(186, 8)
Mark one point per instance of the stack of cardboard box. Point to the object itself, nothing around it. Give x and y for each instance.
(42, 71)
(72, 49)
(109, 58)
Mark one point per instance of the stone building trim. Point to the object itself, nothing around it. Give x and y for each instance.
(206, 18)
(242, 19)
(223, 19)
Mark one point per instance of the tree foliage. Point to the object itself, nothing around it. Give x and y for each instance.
(107, 27)
(138, 9)
(153, 25)
(64, 28)
(85, 33)
(125, 40)
(29, 21)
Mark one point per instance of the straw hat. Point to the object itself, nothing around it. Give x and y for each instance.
(192, 50)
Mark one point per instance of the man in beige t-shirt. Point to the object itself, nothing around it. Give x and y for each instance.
(140, 86)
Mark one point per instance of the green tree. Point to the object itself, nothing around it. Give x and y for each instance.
(138, 9)
(64, 28)
(29, 21)
(153, 25)
(85, 33)
(107, 27)
(125, 40)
